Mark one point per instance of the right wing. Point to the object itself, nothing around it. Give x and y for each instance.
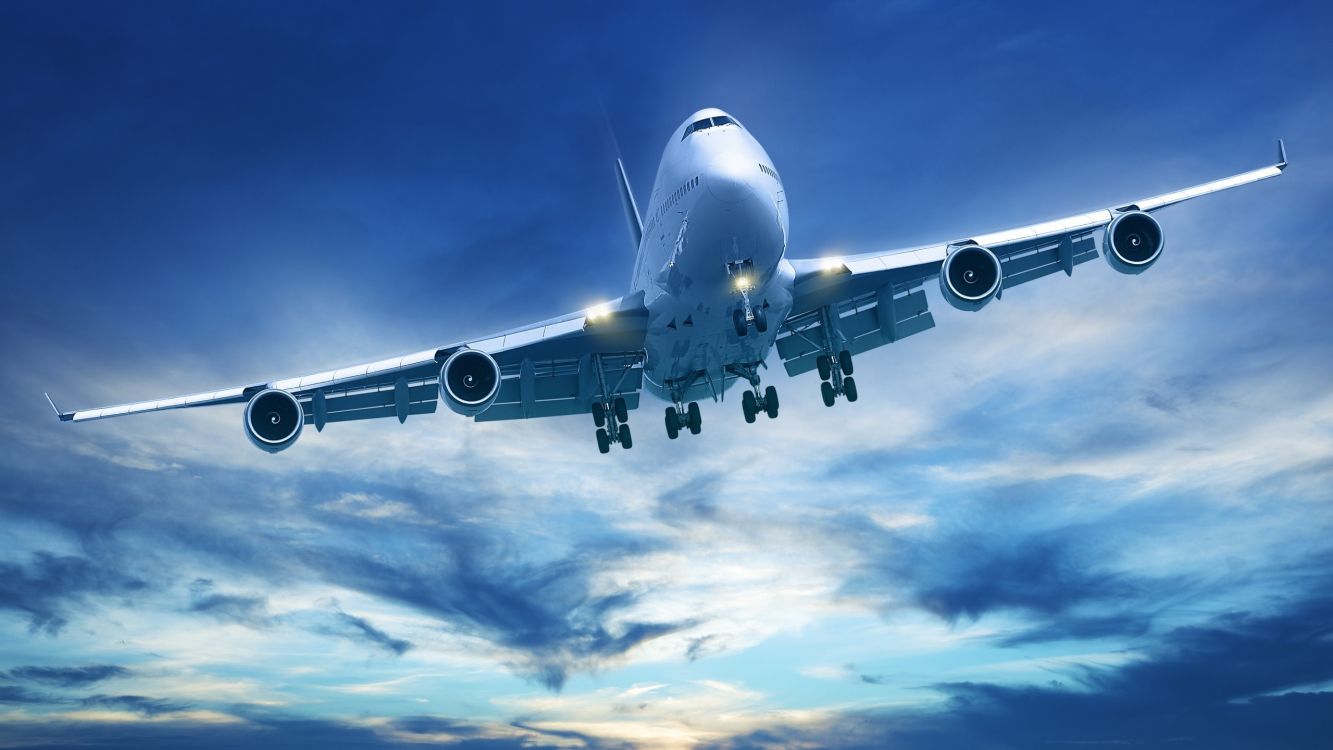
(550, 368)
(860, 302)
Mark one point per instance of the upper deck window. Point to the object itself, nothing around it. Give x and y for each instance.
(708, 122)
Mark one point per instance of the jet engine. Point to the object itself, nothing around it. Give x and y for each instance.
(1134, 241)
(970, 277)
(273, 420)
(469, 381)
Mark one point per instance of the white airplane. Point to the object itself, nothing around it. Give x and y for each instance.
(713, 292)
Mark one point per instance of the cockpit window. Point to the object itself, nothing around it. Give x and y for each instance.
(708, 122)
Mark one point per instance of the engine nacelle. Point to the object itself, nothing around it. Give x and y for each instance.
(273, 420)
(469, 381)
(1134, 241)
(970, 277)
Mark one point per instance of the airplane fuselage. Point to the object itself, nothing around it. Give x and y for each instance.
(714, 241)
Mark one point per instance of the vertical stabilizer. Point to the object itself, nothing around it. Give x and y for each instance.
(631, 209)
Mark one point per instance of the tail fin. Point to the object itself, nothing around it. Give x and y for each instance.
(631, 209)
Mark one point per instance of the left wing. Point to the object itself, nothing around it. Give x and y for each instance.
(860, 302)
(550, 368)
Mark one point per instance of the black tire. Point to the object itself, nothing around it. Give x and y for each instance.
(598, 414)
(760, 320)
(845, 362)
(824, 366)
(738, 320)
(771, 402)
(672, 423)
(749, 406)
(826, 389)
(695, 419)
(621, 410)
(626, 439)
(849, 389)
(603, 441)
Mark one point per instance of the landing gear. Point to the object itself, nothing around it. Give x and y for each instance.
(836, 375)
(683, 417)
(753, 401)
(742, 275)
(610, 416)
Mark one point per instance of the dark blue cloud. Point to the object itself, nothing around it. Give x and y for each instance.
(69, 676)
(49, 585)
(359, 629)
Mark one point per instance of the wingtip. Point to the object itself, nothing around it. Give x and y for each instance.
(64, 417)
(1281, 154)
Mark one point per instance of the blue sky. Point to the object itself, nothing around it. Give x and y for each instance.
(1096, 512)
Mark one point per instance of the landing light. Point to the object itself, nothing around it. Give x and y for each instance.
(742, 283)
(832, 264)
(597, 312)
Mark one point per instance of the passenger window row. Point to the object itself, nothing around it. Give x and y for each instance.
(769, 171)
(675, 197)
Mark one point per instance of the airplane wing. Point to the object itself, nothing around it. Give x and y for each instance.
(550, 368)
(859, 302)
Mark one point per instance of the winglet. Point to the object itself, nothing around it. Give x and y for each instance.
(1281, 154)
(64, 417)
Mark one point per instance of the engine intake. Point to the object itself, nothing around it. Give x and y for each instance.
(1134, 241)
(970, 277)
(273, 420)
(469, 381)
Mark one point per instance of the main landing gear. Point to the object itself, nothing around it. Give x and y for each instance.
(612, 424)
(682, 416)
(836, 374)
(755, 401)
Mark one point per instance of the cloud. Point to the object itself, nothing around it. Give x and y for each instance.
(69, 676)
(49, 584)
(16, 694)
(1057, 578)
(245, 610)
(135, 703)
(355, 628)
(1240, 681)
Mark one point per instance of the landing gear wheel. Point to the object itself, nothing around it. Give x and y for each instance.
(603, 441)
(672, 422)
(845, 362)
(621, 410)
(849, 389)
(749, 406)
(771, 402)
(824, 366)
(760, 320)
(738, 320)
(598, 414)
(826, 388)
(626, 439)
(694, 419)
